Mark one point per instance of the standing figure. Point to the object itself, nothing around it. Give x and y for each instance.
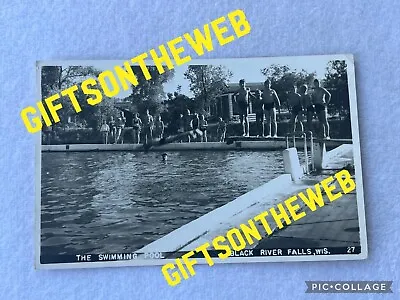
(242, 99)
(119, 137)
(307, 105)
(113, 129)
(159, 128)
(321, 98)
(188, 124)
(104, 130)
(136, 129)
(271, 101)
(148, 123)
(181, 126)
(221, 130)
(258, 108)
(203, 127)
(295, 101)
(196, 125)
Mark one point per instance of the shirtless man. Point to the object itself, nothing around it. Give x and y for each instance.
(113, 129)
(258, 108)
(136, 129)
(148, 124)
(221, 130)
(307, 105)
(188, 125)
(242, 100)
(321, 98)
(159, 128)
(120, 124)
(196, 125)
(296, 103)
(270, 100)
(203, 127)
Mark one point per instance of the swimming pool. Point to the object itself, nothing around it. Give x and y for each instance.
(102, 202)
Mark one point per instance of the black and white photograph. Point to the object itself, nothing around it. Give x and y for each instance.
(157, 169)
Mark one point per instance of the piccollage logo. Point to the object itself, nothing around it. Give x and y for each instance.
(356, 287)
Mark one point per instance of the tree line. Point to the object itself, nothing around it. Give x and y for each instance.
(206, 82)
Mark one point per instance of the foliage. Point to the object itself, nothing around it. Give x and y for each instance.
(336, 75)
(336, 80)
(283, 79)
(149, 94)
(177, 104)
(206, 83)
(55, 79)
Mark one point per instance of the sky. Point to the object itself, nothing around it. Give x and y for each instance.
(250, 70)
(247, 68)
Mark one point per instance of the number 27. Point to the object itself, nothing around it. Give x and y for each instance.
(351, 249)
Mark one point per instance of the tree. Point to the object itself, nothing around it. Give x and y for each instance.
(275, 72)
(206, 83)
(336, 81)
(177, 104)
(283, 79)
(149, 94)
(91, 115)
(55, 79)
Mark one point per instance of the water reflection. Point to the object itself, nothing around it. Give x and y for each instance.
(114, 202)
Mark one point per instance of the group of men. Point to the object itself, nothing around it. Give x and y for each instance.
(146, 127)
(188, 122)
(266, 102)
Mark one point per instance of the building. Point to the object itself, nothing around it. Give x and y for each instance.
(226, 106)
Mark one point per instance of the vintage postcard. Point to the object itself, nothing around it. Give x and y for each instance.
(229, 160)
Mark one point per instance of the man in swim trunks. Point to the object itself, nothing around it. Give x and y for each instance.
(159, 128)
(148, 124)
(113, 129)
(221, 130)
(195, 125)
(270, 100)
(120, 124)
(188, 124)
(307, 105)
(242, 100)
(296, 103)
(104, 130)
(203, 127)
(136, 128)
(258, 108)
(321, 98)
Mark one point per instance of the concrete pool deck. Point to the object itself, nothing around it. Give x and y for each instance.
(249, 143)
(336, 223)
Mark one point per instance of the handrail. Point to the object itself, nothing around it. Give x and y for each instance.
(303, 134)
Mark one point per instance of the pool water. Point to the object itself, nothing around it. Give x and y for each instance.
(102, 202)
